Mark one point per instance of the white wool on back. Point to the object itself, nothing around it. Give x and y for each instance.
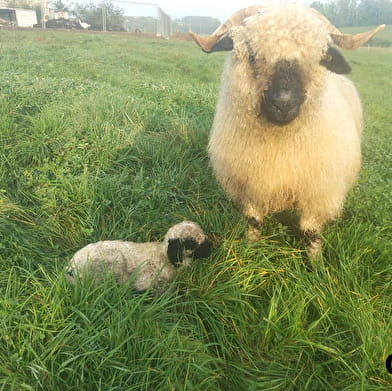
(148, 264)
(308, 164)
(122, 259)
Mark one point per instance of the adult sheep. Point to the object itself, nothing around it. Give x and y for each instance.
(287, 128)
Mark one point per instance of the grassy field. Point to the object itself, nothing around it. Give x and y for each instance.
(104, 137)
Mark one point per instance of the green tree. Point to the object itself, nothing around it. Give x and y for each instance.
(375, 12)
(92, 13)
(197, 24)
(59, 5)
(356, 12)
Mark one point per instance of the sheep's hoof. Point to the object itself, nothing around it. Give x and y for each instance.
(314, 251)
(253, 233)
(313, 245)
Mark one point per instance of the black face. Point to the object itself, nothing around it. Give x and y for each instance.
(176, 248)
(335, 62)
(283, 99)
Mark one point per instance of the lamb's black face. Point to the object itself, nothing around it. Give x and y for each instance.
(177, 247)
(283, 99)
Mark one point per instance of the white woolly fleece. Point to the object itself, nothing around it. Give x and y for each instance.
(308, 164)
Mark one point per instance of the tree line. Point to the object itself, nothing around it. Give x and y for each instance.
(341, 13)
(344, 13)
(197, 24)
(92, 13)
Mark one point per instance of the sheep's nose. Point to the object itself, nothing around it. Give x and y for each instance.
(282, 108)
(283, 101)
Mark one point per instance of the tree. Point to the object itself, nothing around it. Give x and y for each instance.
(92, 13)
(198, 24)
(58, 5)
(375, 12)
(319, 6)
(356, 12)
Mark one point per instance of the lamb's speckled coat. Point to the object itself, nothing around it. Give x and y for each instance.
(148, 263)
(308, 164)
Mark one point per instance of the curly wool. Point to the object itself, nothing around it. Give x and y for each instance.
(308, 164)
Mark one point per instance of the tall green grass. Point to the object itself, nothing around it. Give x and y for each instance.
(104, 137)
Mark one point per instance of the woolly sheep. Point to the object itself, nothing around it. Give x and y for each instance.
(287, 129)
(152, 264)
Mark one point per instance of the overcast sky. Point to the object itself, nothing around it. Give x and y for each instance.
(179, 8)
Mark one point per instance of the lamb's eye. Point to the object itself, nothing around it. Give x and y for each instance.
(252, 58)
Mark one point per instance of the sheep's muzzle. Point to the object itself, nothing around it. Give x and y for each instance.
(282, 101)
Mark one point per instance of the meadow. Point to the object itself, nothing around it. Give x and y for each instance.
(104, 137)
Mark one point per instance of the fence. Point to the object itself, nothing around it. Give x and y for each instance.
(147, 18)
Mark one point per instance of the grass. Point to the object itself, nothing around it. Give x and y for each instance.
(104, 137)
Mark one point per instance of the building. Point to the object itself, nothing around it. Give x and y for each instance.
(27, 4)
(19, 17)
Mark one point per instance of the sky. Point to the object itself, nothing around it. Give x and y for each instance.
(179, 8)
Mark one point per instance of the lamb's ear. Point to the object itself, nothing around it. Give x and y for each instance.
(175, 251)
(335, 62)
(203, 250)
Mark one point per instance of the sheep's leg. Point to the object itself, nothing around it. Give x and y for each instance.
(312, 218)
(253, 231)
(254, 219)
(313, 244)
(311, 231)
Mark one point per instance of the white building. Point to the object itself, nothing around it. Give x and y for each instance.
(19, 16)
(25, 18)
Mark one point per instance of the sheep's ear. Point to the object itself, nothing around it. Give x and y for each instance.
(213, 43)
(224, 44)
(203, 250)
(335, 62)
(175, 251)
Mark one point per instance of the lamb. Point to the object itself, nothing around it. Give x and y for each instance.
(287, 128)
(152, 265)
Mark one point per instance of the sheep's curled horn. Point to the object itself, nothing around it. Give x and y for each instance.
(220, 40)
